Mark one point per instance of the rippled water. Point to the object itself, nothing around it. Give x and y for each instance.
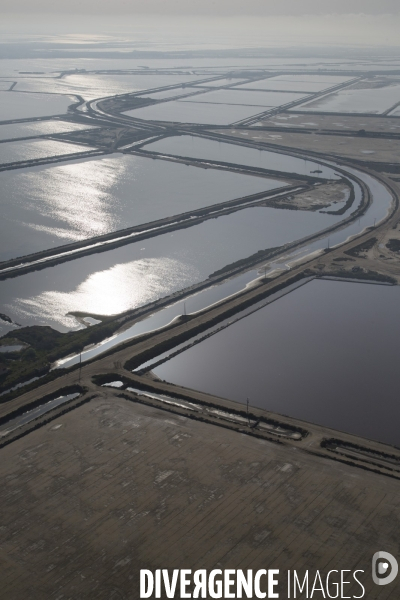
(130, 276)
(323, 353)
(44, 207)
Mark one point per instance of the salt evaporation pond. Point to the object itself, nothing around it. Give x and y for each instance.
(295, 83)
(96, 85)
(5, 85)
(35, 128)
(246, 97)
(354, 100)
(194, 303)
(221, 82)
(191, 112)
(180, 91)
(44, 206)
(34, 149)
(323, 353)
(196, 147)
(14, 105)
(131, 276)
(200, 300)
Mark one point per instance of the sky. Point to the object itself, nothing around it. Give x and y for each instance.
(266, 23)
(203, 7)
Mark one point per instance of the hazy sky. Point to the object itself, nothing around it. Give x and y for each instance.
(234, 23)
(203, 7)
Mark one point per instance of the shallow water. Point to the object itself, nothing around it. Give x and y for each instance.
(247, 98)
(164, 316)
(43, 207)
(185, 112)
(302, 83)
(168, 93)
(195, 147)
(12, 67)
(96, 85)
(373, 101)
(23, 106)
(33, 149)
(323, 353)
(5, 85)
(222, 82)
(377, 211)
(131, 276)
(19, 130)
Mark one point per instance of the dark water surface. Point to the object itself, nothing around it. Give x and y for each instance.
(326, 353)
(130, 276)
(43, 207)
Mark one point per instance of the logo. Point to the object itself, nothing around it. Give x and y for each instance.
(384, 568)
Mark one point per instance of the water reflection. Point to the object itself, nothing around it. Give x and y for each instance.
(86, 198)
(109, 292)
(75, 195)
(187, 256)
(19, 130)
(96, 85)
(34, 149)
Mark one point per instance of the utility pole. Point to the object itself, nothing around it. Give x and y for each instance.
(80, 365)
(248, 418)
